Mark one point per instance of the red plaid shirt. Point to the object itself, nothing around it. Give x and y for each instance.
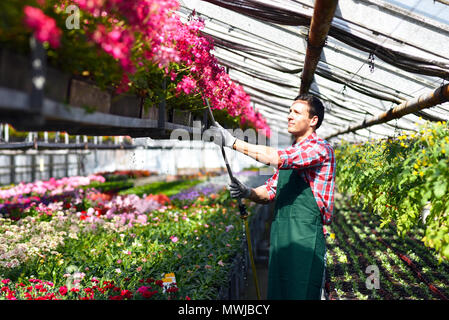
(314, 159)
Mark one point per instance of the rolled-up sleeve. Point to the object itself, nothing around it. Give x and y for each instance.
(271, 185)
(299, 157)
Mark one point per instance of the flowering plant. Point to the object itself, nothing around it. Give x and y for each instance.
(134, 46)
(399, 177)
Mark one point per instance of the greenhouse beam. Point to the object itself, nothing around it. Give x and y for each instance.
(323, 14)
(424, 101)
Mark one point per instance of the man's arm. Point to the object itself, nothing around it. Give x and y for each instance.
(260, 195)
(266, 155)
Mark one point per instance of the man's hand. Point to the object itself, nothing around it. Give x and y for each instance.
(225, 138)
(239, 190)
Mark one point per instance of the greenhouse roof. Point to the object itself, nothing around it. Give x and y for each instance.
(377, 55)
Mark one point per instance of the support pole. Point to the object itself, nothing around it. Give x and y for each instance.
(323, 14)
(12, 172)
(424, 101)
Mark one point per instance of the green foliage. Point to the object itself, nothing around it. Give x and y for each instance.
(111, 186)
(397, 178)
(167, 188)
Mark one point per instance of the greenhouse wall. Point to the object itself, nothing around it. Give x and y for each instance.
(164, 157)
(171, 158)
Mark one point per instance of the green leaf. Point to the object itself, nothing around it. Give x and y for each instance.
(440, 189)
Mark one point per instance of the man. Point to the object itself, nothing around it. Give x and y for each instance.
(303, 187)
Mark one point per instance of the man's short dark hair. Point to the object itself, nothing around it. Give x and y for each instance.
(316, 107)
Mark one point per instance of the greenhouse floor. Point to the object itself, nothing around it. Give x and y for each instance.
(262, 277)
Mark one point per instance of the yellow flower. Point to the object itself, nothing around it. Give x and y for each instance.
(332, 235)
(421, 173)
(415, 166)
(415, 173)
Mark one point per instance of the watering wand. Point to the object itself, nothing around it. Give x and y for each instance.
(242, 208)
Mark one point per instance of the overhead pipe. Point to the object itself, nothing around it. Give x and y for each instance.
(323, 14)
(424, 101)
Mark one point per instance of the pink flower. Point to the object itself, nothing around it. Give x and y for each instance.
(174, 239)
(187, 84)
(44, 27)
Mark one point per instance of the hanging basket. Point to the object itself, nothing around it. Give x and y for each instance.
(182, 117)
(151, 113)
(86, 95)
(56, 85)
(15, 71)
(126, 105)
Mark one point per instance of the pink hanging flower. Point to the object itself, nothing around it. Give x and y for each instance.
(187, 84)
(44, 27)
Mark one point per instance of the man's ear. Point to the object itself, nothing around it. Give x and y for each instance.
(314, 121)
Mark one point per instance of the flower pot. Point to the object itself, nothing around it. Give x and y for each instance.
(126, 105)
(86, 95)
(150, 113)
(56, 85)
(182, 117)
(15, 71)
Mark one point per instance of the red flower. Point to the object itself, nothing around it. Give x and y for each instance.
(63, 290)
(148, 294)
(115, 298)
(173, 289)
(127, 294)
(159, 283)
(88, 290)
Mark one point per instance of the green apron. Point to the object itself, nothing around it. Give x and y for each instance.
(297, 244)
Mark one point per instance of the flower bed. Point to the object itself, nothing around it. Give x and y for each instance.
(407, 269)
(398, 178)
(99, 246)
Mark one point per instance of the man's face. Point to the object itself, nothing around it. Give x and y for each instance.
(298, 118)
